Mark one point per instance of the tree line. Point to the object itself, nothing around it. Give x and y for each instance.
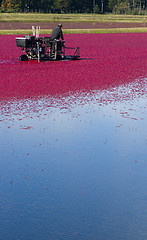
(75, 6)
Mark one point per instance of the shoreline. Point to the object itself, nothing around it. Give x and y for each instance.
(75, 31)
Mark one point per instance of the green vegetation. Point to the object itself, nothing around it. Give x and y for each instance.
(40, 17)
(75, 6)
(78, 31)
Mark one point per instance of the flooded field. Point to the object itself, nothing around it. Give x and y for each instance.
(73, 152)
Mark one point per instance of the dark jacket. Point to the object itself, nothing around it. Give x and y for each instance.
(57, 33)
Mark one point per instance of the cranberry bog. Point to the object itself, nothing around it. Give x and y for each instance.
(73, 141)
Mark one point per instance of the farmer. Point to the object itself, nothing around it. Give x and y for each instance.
(57, 32)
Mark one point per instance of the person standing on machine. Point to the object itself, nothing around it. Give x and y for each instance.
(57, 32)
(56, 35)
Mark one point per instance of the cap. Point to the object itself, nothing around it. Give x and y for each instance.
(59, 25)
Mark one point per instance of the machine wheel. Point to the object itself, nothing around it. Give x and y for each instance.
(59, 57)
(23, 58)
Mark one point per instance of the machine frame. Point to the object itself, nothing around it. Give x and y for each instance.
(44, 48)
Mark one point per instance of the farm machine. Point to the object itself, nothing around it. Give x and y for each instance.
(43, 48)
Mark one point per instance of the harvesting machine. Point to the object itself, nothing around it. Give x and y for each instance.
(43, 48)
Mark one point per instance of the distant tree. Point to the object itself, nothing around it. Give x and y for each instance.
(45, 5)
(96, 9)
(75, 6)
(63, 5)
(4, 4)
(81, 6)
(111, 4)
(121, 8)
(11, 5)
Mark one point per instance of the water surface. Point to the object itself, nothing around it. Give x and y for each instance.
(73, 153)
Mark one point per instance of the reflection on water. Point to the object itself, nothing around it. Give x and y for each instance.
(75, 167)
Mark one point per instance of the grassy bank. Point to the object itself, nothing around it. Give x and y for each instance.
(78, 31)
(37, 17)
(103, 18)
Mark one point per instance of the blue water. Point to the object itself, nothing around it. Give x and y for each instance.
(75, 167)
